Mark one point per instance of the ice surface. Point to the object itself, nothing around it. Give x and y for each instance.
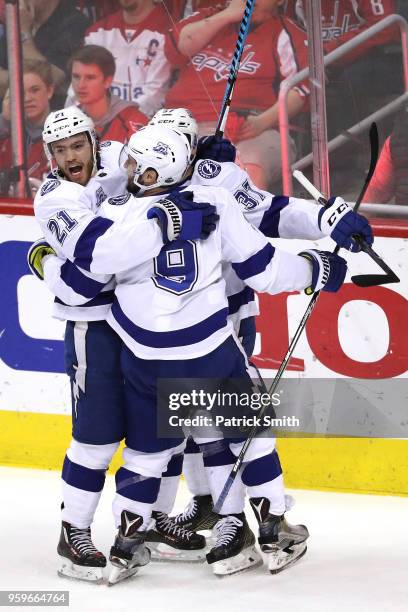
(357, 557)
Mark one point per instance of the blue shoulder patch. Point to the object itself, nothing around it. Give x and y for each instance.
(49, 186)
(105, 143)
(119, 200)
(208, 169)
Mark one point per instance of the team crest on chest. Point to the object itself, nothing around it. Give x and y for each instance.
(119, 200)
(49, 186)
(208, 169)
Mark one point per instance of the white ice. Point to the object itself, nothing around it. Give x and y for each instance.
(357, 557)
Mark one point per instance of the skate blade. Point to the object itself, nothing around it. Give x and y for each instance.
(72, 571)
(279, 560)
(162, 552)
(118, 574)
(246, 560)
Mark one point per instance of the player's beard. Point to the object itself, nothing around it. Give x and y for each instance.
(84, 177)
(132, 188)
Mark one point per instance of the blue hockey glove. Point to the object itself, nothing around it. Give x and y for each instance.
(180, 218)
(36, 253)
(328, 270)
(218, 149)
(341, 223)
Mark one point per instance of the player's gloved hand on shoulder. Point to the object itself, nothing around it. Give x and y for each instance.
(36, 253)
(341, 223)
(180, 218)
(328, 270)
(218, 149)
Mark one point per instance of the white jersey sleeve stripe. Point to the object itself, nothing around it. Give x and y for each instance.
(102, 299)
(256, 264)
(79, 282)
(170, 339)
(269, 225)
(83, 253)
(246, 296)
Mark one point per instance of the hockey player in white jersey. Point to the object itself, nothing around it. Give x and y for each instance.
(73, 225)
(172, 314)
(275, 216)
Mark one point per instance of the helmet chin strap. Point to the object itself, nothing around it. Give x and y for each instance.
(138, 190)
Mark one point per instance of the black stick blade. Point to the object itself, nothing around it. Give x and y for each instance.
(372, 280)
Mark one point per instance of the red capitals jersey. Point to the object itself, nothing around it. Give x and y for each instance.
(343, 19)
(274, 50)
(123, 125)
(37, 162)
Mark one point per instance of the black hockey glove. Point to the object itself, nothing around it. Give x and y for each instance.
(218, 149)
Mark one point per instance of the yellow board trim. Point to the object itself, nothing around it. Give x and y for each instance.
(358, 465)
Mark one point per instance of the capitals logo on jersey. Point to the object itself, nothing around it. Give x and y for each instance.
(119, 200)
(49, 186)
(161, 148)
(221, 65)
(208, 169)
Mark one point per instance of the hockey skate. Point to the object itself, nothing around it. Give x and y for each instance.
(282, 543)
(79, 558)
(234, 550)
(171, 542)
(198, 514)
(128, 552)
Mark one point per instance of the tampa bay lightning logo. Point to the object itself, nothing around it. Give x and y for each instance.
(105, 143)
(119, 200)
(208, 169)
(161, 148)
(49, 186)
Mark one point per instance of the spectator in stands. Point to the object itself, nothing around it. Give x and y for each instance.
(342, 21)
(390, 180)
(92, 71)
(202, 47)
(38, 91)
(50, 30)
(135, 35)
(365, 72)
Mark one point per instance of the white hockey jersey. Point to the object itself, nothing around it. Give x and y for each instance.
(276, 216)
(79, 223)
(174, 305)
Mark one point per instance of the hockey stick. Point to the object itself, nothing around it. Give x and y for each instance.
(361, 280)
(233, 73)
(371, 280)
(253, 431)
